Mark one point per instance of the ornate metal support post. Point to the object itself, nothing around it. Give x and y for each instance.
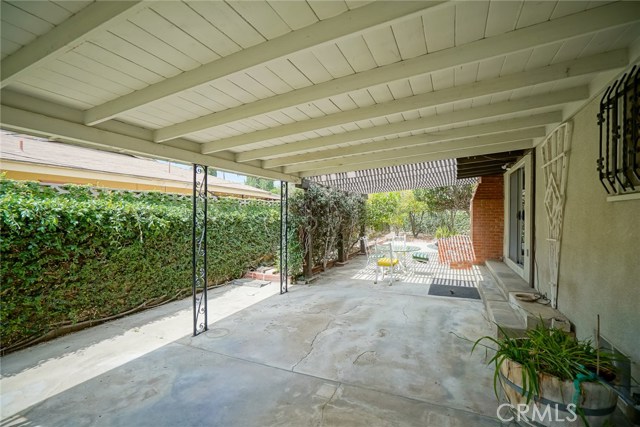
(199, 249)
(284, 236)
(363, 229)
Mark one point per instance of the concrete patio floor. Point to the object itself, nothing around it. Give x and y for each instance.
(339, 352)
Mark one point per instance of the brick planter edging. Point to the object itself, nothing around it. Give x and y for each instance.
(268, 276)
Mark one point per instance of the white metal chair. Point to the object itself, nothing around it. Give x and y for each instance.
(386, 261)
(399, 243)
(372, 257)
(400, 239)
(379, 258)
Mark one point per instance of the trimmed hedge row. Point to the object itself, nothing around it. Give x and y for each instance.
(77, 257)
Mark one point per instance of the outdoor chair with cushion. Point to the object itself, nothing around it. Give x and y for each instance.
(381, 258)
(420, 256)
(386, 261)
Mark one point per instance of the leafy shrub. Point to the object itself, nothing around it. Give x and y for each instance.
(73, 257)
(444, 231)
(324, 213)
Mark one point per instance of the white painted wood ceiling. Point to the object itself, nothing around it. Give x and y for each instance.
(292, 89)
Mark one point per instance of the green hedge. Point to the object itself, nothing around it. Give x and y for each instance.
(77, 257)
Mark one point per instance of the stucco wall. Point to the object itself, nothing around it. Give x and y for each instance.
(600, 253)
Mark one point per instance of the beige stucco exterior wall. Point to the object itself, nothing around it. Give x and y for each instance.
(600, 253)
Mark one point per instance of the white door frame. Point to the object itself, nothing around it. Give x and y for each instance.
(524, 270)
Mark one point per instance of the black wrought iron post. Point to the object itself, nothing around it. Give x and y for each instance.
(199, 249)
(284, 236)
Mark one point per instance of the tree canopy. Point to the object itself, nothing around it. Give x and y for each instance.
(413, 209)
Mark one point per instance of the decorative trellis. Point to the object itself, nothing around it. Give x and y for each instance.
(555, 165)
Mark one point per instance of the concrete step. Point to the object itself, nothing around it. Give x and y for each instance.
(503, 317)
(506, 321)
(539, 311)
(507, 280)
(516, 292)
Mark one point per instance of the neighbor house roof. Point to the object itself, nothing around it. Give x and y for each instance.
(22, 153)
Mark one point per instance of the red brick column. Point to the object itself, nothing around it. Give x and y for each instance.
(487, 218)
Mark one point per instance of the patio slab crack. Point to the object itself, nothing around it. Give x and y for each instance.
(326, 403)
(312, 344)
(350, 310)
(362, 354)
(405, 314)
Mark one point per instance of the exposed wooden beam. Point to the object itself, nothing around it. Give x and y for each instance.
(570, 26)
(451, 148)
(579, 67)
(488, 171)
(38, 124)
(458, 133)
(420, 158)
(476, 169)
(425, 123)
(496, 157)
(66, 36)
(349, 23)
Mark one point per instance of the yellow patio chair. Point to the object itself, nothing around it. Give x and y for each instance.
(386, 262)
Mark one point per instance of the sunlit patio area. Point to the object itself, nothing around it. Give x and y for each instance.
(343, 351)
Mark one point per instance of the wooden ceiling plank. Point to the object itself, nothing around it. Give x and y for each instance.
(410, 37)
(65, 37)
(451, 146)
(521, 40)
(349, 23)
(457, 133)
(471, 21)
(390, 162)
(297, 14)
(583, 66)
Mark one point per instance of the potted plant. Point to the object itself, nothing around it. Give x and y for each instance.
(552, 379)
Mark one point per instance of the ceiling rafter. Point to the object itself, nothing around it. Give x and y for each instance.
(570, 26)
(29, 122)
(428, 138)
(66, 36)
(449, 147)
(349, 23)
(425, 123)
(577, 67)
(420, 158)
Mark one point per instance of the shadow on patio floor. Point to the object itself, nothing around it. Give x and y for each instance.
(339, 352)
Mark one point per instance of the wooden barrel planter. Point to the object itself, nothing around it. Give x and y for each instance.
(597, 401)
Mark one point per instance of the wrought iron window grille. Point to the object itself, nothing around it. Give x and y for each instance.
(619, 146)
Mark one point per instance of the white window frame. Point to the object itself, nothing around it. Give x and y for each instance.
(523, 271)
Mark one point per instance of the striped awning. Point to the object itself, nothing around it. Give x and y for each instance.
(434, 174)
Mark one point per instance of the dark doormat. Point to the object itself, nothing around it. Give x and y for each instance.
(453, 282)
(454, 291)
